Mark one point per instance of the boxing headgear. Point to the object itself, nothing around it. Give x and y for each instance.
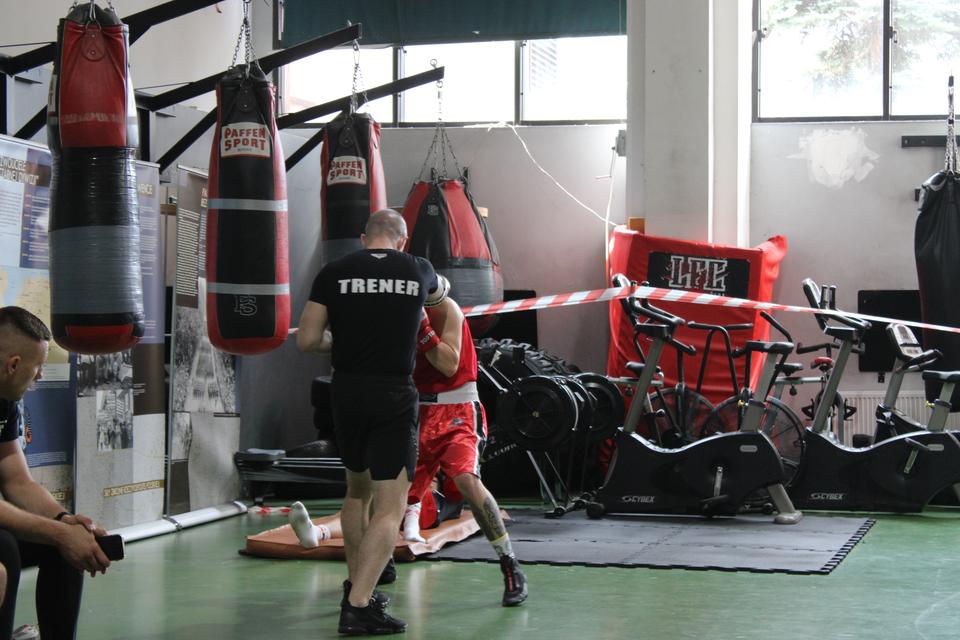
(438, 295)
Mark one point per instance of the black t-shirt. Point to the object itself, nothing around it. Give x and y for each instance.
(374, 299)
(10, 422)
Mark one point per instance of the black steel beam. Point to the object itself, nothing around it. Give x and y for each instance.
(305, 115)
(184, 143)
(35, 123)
(369, 95)
(141, 21)
(138, 22)
(312, 143)
(267, 63)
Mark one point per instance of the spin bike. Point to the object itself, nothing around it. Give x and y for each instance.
(907, 350)
(711, 477)
(902, 473)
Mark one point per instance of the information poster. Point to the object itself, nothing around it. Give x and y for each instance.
(120, 399)
(204, 424)
(49, 408)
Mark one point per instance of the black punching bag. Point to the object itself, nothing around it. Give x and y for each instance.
(96, 299)
(937, 250)
(353, 184)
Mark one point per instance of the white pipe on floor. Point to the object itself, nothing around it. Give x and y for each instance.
(170, 524)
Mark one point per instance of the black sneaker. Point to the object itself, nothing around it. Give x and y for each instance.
(389, 575)
(381, 599)
(514, 582)
(369, 620)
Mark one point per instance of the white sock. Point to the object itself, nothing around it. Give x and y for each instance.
(411, 523)
(502, 545)
(308, 533)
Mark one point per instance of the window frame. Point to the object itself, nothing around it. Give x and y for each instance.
(885, 79)
(399, 123)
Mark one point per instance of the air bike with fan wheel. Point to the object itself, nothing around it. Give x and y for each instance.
(549, 415)
(901, 473)
(713, 476)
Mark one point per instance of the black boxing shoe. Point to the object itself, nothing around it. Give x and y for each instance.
(389, 575)
(381, 599)
(368, 620)
(514, 582)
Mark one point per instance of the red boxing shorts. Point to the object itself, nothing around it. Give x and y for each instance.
(451, 439)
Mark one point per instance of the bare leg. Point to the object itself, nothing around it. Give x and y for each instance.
(487, 514)
(380, 537)
(354, 516)
(485, 509)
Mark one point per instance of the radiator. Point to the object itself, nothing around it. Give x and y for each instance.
(911, 403)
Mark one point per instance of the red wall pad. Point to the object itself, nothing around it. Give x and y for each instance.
(694, 266)
(248, 273)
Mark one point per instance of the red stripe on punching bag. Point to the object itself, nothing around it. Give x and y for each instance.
(247, 260)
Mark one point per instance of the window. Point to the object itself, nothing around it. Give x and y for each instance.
(876, 59)
(328, 75)
(575, 79)
(579, 79)
(478, 82)
(925, 51)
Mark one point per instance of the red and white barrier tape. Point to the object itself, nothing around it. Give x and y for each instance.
(672, 295)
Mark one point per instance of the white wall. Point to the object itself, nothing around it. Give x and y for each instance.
(546, 243)
(842, 194)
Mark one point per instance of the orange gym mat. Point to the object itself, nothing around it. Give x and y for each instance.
(282, 542)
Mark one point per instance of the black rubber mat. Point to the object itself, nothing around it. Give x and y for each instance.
(815, 545)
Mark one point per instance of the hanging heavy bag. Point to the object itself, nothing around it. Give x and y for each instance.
(248, 274)
(446, 228)
(96, 298)
(937, 251)
(353, 185)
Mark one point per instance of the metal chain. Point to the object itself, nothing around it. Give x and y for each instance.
(358, 86)
(441, 143)
(245, 36)
(951, 158)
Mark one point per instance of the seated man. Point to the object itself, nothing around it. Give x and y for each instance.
(34, 529)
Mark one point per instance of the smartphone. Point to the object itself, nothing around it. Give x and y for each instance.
(112, 546)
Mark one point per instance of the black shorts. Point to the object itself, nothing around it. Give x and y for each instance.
(375, 423)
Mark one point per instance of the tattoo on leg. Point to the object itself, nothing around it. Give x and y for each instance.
(488, 517)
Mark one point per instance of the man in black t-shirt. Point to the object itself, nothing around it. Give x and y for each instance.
(34, 529)
(367, 308)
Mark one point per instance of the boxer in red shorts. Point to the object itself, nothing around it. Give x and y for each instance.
(453, 430)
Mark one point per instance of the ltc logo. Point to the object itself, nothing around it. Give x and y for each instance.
(719, 276)
(702, 274)
(245, 305)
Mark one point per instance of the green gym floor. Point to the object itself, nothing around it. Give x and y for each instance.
(902, 581)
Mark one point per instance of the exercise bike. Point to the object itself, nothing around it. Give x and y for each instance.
(710, 477)
(901, 474)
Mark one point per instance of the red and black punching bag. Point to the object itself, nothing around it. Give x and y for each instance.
(353, 185)
(96, 297)
(248, 273)
(446, 228)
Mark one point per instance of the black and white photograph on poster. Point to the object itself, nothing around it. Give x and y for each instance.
(182, 436)
(114, 419)
(204, 378)
(102, 372)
